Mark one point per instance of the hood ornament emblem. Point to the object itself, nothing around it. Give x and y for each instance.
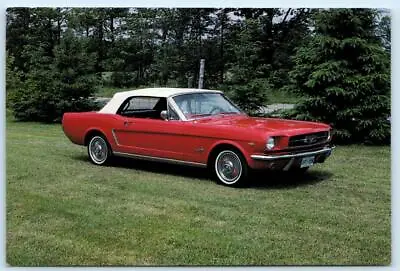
(310, 139)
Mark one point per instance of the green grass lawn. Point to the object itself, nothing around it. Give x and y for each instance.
(62, 210)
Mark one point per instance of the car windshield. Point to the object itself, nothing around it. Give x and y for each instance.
(196, 105)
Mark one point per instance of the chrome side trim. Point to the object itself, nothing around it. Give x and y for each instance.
(115, 137)
(199, 149)
(326, 150)
(159, 159)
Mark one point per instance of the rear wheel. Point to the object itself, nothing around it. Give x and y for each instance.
(98, 150)
(230, 168)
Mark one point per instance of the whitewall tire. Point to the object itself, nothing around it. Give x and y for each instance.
(98, 150)
(230, 168)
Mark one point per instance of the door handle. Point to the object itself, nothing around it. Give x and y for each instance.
(127, 123)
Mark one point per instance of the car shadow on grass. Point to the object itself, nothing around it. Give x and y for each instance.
(155, 167)
(161, 168)
(257, 179)
(286, 180)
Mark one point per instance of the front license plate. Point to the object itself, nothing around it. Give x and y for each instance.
(307, 161)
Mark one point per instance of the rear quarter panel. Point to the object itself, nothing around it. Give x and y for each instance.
(77, 125)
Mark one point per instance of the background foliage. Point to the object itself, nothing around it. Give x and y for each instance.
(336, 61)
(343, 71)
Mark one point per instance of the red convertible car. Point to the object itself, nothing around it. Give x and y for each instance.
(199, 128)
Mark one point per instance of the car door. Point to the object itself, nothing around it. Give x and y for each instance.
(142, 131)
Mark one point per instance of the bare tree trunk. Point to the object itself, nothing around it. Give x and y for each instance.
(112, 29)
(201, 74)
(222, 46)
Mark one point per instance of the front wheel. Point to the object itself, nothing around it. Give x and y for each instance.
(230, 168)
(98, 150)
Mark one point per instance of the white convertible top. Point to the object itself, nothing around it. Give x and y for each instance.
(112, 106)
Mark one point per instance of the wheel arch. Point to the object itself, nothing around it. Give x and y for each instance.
(217, 147)
(93, 132)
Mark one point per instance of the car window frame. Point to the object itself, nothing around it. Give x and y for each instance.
(127, 100)
(169, 104)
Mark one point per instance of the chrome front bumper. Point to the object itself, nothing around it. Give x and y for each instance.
(287, 161)
(327, 151)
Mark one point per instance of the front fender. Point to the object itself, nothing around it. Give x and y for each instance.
(246, 148)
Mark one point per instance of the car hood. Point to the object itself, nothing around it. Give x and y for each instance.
(271, 125)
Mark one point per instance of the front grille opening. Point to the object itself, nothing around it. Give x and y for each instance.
(308, 139)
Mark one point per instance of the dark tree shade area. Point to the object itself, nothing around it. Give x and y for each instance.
(336, 61)
(344, 73)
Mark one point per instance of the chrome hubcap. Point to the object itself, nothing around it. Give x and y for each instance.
(98, 149)
(228, 167)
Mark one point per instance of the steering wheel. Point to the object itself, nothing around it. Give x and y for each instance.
(215, 108)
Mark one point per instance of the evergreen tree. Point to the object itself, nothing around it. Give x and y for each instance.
(246, 82)
(56, 84)
(13, 76)
(384, 31)
(344, 73)
(75, 79)
(35, 96)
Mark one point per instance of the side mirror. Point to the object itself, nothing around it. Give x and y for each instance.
(164, 115)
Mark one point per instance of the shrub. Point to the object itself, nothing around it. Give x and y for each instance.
(55, 85)
(249, 97)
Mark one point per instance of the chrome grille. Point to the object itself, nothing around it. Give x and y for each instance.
(308, 139)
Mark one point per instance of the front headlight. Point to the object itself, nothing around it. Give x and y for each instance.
(270, 143)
